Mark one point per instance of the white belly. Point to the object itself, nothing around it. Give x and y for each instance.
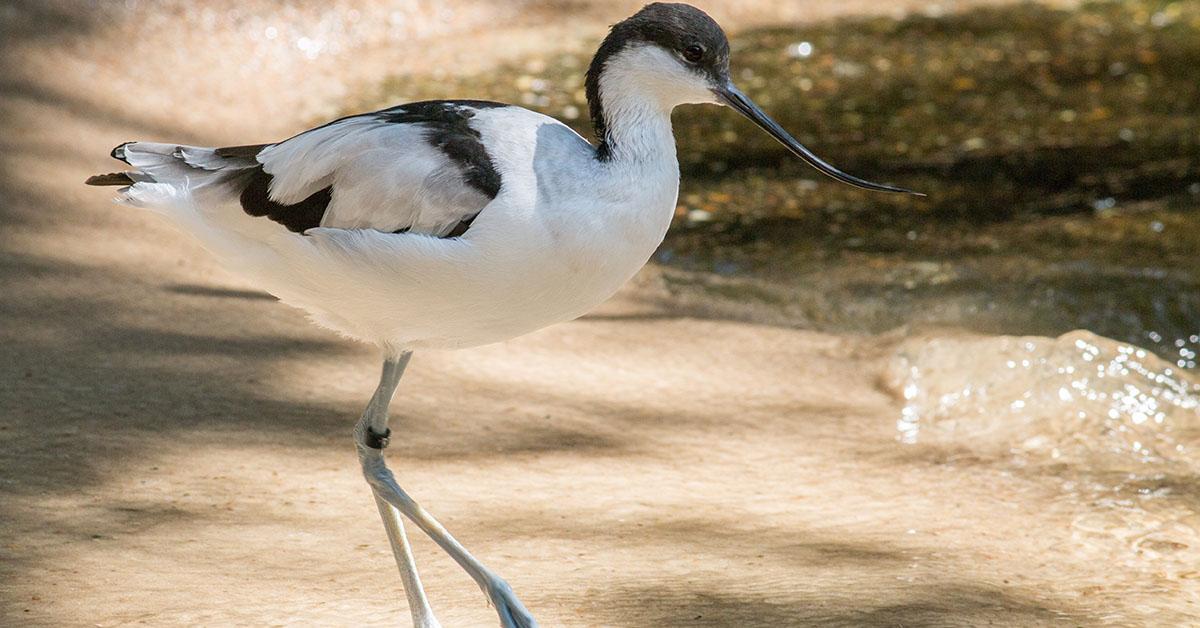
(451, 293)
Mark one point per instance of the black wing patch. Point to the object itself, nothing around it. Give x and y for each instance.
(297, 217)
(447, 127)
(256, 198)
(239, 167)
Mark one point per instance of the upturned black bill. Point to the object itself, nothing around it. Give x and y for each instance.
(734, 97)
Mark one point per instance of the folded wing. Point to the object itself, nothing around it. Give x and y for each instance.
(418, 168)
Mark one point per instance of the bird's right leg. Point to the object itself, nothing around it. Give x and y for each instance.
(371, 437)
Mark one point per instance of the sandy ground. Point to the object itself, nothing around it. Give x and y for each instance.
(175, 446)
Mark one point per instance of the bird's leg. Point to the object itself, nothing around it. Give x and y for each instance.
(371, 437)
(422, 615)
(374, 422)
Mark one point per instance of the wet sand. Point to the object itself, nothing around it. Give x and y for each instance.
(175, 446)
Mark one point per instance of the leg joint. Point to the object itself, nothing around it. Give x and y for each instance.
(375, 440)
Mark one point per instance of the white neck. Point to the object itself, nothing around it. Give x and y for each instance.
(638, 155)
(636, 104)
(638, 132)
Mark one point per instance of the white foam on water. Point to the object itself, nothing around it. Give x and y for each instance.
(1078, 397)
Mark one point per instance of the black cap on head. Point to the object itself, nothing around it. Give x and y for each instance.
(680, 28)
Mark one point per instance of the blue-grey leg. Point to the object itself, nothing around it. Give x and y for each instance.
(375, 418)
(422, 615)
(371, 436)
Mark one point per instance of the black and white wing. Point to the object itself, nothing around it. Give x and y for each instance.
(419, 167)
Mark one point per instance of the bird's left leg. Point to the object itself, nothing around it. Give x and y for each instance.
(374, 421)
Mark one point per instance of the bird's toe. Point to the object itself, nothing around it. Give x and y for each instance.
(513, 613)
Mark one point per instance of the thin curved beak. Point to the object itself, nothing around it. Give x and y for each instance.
(732, 96)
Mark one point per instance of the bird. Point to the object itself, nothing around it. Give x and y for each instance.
(447, 224)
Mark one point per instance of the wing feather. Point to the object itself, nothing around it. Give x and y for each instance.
(388, 171)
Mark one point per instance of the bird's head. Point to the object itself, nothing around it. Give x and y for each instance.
(673, 54)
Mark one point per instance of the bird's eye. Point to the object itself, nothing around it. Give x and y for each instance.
(693, 53)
